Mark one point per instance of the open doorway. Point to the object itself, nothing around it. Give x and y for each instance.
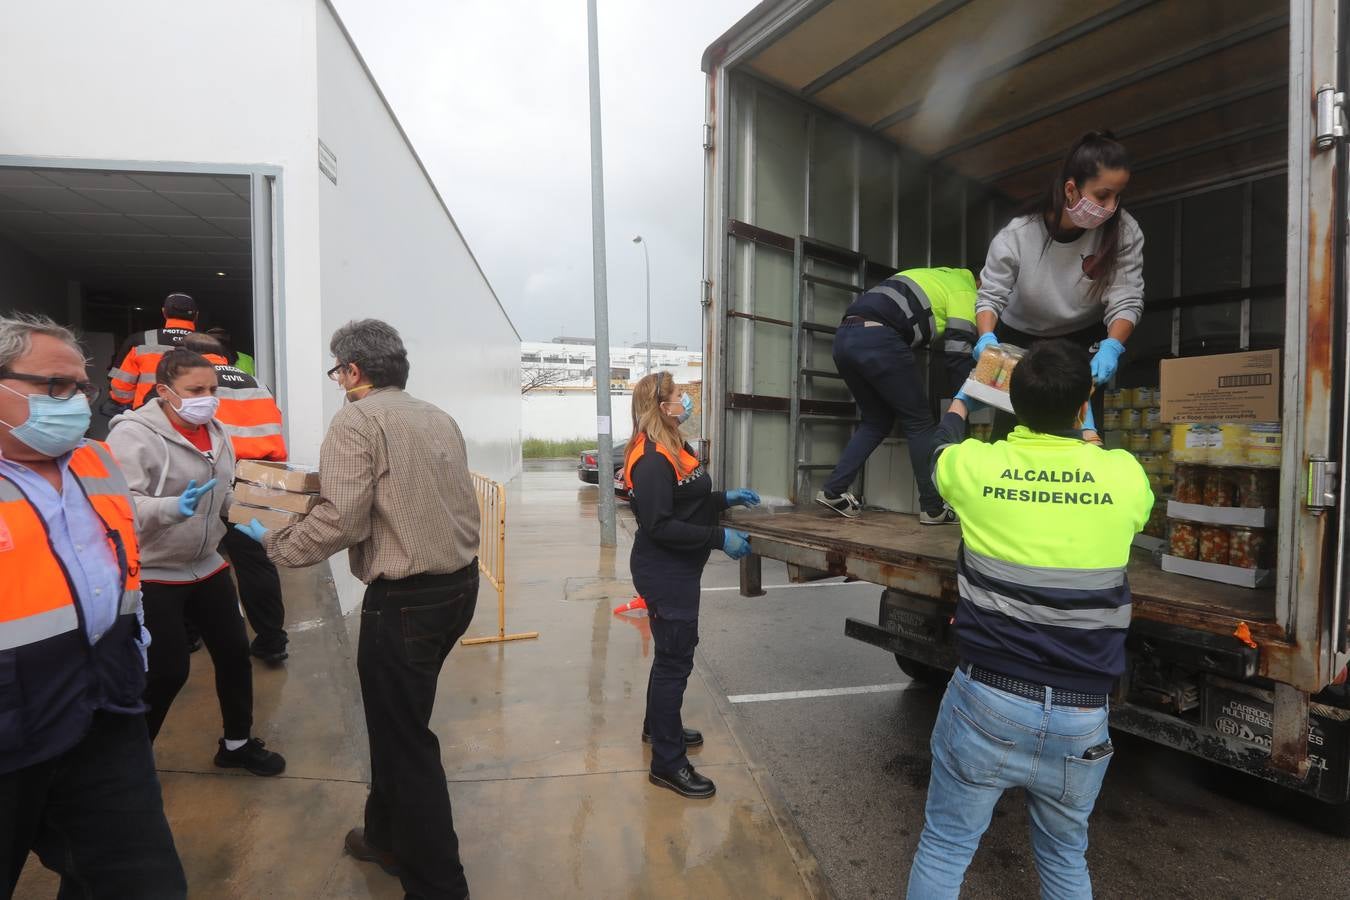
(100, 249)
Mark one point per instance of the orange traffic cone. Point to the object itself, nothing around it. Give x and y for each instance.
(634, 604)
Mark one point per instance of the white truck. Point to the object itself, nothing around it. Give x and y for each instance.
(846, 140)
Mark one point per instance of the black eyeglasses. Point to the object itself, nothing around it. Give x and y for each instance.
(57, 388)
(332, 373)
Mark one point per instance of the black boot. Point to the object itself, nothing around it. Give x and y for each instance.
(686, 783)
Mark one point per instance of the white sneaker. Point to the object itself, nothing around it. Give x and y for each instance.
(946, 517)
(845, 504)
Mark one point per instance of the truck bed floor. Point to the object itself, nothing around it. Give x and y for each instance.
(897, 538)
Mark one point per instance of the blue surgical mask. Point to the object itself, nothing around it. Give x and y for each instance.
(53, 427)
(688, 403)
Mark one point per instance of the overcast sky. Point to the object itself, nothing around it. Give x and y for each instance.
(493, 94)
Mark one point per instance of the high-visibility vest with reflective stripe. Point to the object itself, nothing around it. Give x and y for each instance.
(683, 466)
(131, 381)
(248, 413)
(43, 646)
(951, 295)
(1046, 527)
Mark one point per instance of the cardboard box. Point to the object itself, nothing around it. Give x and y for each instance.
(257, 495)
(1229, 387)
(1248, 578)
(1223, 515)
(986, 394)
(281, 476)
(242, 513)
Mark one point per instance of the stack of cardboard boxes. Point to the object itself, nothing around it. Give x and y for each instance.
(276, 494)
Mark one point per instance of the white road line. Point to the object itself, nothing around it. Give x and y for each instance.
(828, 692)
(785, 587)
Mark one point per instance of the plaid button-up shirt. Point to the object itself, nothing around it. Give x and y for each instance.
(395, 489)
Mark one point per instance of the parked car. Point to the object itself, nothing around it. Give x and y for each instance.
(588, 468)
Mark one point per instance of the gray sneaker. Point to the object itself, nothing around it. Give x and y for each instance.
(845, 504)
(946, 517)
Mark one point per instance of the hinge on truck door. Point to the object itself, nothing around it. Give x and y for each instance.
(1322, 484)
(707, 136)
(706, 292)
(1330, 116)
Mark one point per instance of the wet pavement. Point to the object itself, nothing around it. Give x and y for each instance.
(540, 741)
(817, 796)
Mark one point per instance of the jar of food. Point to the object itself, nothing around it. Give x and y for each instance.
(1257, 488)
(1228, 445)
(1157, 521)
(1130, 419)
(1145, 397)
(1160, 440)
(1249, 548)
(1111, 399)
(1147, 461)
(1215, 544)
(1220, 488)
(1188, 485)
(1183, 540)
(1110, 419)
(1153, 417)
(1264, 444)
(988, 366)
(1190, 442)
(1167, 480)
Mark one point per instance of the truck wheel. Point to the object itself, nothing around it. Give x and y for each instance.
(922, 672)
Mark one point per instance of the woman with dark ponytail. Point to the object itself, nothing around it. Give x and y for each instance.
(1072, 267)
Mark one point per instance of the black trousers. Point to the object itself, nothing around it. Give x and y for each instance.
(259, 589)
(675, 640)
(213, 607)
(94, 816)
(408, 628)
(1005, 422)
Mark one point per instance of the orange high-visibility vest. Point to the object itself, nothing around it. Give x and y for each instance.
(686, 463)
(133, 379)
(37, 598)
(248, 413)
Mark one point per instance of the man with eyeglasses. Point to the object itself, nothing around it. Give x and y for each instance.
(77, 777)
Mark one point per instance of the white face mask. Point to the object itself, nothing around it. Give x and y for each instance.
(196, 410)
(1086, 214)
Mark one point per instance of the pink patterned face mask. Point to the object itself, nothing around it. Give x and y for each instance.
(1086, 214)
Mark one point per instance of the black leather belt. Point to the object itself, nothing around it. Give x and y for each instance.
(1031, 690)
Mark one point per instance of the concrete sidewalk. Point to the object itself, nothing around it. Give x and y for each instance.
(539, 738)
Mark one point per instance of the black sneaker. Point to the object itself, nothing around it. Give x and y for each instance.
(273, 656)
(692, 738)
(845, 504)
(253, 756)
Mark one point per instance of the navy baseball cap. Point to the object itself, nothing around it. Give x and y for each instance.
(180, 306)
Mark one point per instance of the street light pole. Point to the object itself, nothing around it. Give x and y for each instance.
(647, 265)
(608, 529)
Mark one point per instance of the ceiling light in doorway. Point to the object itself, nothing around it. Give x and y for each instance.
(220, 274)
(137, 308)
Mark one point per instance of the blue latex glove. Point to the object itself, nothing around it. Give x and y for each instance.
(984, 343)
(187, 502)
(735, 544)
(1106, 360)
(253, 529)
(742, 497)
(972, 405)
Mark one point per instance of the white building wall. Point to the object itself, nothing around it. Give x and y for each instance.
(197, 84)
(390, 250)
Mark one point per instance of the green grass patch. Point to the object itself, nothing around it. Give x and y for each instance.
(540, 448)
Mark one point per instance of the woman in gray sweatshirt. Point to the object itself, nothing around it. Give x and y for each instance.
(169, 447)
(1073, 267)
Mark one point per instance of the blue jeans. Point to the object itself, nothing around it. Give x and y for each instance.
(879, 368)
(986, 741)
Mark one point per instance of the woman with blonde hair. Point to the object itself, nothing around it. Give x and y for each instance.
(677, 513)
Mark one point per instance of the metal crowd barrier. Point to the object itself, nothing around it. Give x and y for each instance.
(492, 553)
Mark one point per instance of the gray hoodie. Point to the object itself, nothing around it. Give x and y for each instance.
(159, 462)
